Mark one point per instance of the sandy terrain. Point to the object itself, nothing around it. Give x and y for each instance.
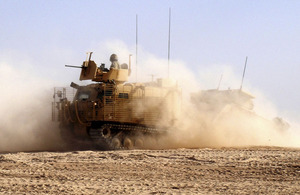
(182, 171)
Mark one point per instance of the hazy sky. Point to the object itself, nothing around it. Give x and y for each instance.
(45, 35)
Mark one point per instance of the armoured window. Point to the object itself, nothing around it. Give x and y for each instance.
(84, 95)
(123, 95)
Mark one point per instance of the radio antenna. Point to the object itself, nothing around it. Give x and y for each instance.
(169, 42)
(220, 82)
(136, 47)
(244, 73)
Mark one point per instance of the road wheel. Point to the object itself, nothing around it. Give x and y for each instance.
(116, 143)
(128, 143)
(139, 143)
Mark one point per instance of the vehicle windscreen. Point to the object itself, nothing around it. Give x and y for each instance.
(83, 95)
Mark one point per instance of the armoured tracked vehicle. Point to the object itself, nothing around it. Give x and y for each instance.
(230, 106)
(233, 106)
(113, 112)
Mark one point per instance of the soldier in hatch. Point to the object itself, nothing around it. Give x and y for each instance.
(114, 61)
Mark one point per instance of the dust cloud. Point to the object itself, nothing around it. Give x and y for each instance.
(230, 128)
(227, 118)
(218, 123)
(25, 117)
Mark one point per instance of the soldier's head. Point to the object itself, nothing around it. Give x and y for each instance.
(113, 58)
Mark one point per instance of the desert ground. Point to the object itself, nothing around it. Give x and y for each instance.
(248, 170)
